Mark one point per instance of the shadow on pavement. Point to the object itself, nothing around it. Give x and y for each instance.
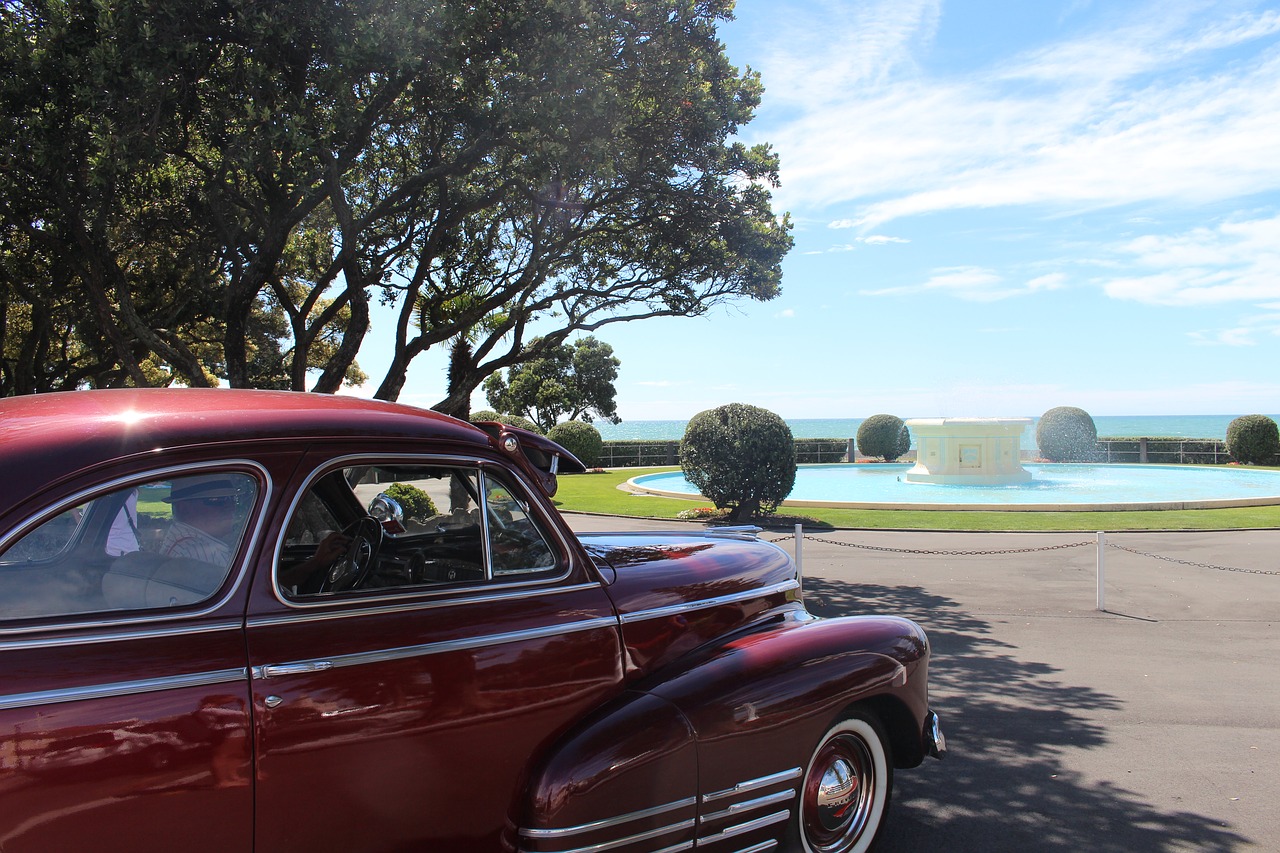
(1008, 722)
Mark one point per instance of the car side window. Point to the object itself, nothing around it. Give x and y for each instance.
(162, 543)
(517, 544)
(406, 526)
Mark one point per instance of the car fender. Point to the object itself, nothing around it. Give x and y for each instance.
(763, 691)
(733, 725)
(627, 772)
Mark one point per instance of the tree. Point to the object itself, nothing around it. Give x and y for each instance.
(1253, 440)
(1066, 434)
(223, 187)
(741, 457)
(487, 416)
(565, 383)
(884, 436)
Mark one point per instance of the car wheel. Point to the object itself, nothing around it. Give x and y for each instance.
(846, 790)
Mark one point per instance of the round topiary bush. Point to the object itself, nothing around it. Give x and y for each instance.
(416, 503)
(509, 420)
(1066, 434)
(883, 436)
(579, 438)
(740, 457)
(1253, 440)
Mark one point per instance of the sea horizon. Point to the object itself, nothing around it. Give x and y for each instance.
(1109, 426)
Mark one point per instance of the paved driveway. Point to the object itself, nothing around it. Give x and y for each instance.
(1154, 726)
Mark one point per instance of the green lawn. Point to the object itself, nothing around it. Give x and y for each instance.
(599, 493)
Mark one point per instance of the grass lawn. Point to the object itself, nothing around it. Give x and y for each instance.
(599, 493)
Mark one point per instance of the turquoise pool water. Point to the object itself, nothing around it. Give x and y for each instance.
(1065, 486)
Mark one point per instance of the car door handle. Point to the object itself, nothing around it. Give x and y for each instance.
(276, 670)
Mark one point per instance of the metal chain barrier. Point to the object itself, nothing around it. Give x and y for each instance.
(1194, 563)
(933, 553)
(936, 553)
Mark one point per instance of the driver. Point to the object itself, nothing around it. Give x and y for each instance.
(330, 549)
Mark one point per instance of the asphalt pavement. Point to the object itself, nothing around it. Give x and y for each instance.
(1151, 725)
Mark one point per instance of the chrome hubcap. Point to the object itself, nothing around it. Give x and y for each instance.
(839, 794)
(836, 793)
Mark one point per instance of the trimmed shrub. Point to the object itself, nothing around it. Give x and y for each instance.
(1253, 440)
(884, 436)
(509, 420)
(1066, 434)
(740, 457)
(579, 438)
(416, 503)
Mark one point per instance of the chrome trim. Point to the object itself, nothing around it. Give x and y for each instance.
(122, 688)
(605, 824)
(145, 634)
(676, 848)
(458, 600)
(742, 828)
(934, 740)
(759, 848)
(633, 839)
(688, 606)
(565, 556)
(280, 670)
(754, 784)
(748, 532)
(750, 805)
(404, 652)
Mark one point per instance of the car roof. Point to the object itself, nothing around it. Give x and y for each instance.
(50, 436)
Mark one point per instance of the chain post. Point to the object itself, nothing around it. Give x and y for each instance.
(1102, 571)
(800, 557)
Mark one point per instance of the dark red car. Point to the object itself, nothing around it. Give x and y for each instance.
(271, 621)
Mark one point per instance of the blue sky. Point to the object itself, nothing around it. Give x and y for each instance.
(1000, 207)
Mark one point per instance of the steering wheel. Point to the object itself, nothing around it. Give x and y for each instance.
(351, 569)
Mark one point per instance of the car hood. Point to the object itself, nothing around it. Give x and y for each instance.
(676, 592)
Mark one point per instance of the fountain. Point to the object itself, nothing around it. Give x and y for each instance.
(974, 451)
(981, 458)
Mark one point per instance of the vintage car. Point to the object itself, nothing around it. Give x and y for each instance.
(250, 620)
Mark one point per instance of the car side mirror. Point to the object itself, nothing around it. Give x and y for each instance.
(388, 512)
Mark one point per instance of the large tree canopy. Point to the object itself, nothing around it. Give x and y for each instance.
(203, 191)
(565, 383)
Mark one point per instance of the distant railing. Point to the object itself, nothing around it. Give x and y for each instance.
(648, 454)
(1169, 451)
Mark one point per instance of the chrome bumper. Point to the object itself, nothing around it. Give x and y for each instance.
(935, 742)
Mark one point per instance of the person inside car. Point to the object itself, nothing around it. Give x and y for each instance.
(204, 518)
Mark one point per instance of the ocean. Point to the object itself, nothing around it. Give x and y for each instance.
(1112, 426)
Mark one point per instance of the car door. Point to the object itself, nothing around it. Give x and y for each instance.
(403, 712)
(124, 704)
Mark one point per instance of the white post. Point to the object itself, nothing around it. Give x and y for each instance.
(1102, 571)
(800, 556)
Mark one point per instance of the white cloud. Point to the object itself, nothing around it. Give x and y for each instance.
(974, 284)
(1118, 115)
(1233, 261)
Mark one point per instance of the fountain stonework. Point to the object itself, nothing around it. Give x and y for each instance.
(977, 451)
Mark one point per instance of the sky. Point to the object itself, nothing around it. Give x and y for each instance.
(1000, 207)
